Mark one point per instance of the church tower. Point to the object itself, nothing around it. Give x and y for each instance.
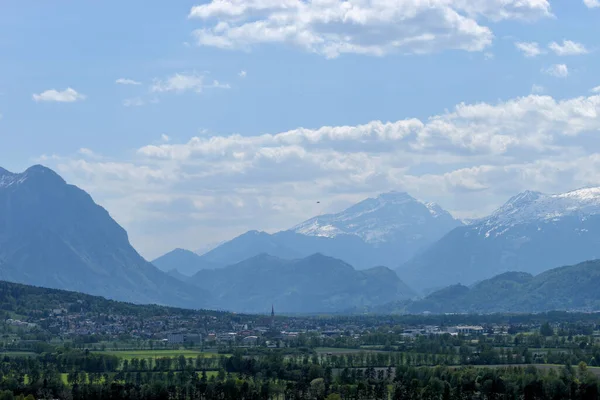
(272, 316)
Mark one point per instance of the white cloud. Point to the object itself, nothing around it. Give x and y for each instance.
(184, 82)
(531, 122)
(180, 82)
(557, 70)
(212, 187)
(242, 74)
(134, 102)
(334, 27)
(592, 3)
(596, 89)
(125, 81)
(68, 95)
(568, 48)
(537, 89)
(165, 138)
(529, 49)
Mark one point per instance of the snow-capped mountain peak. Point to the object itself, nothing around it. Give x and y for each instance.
(381, 219)
(532, 206)
(525, 197)
(436, 210)
(587, 195)
(8, 179)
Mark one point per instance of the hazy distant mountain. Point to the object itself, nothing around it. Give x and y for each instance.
(565, 288)
(248, 245)
(53, 235)
(208, 247)
(185, 262)
(286, 245)
(178, 275)
(315, 283)
(532, 232)
(386, 230)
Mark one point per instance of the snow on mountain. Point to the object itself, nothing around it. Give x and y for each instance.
(381, 219)
(532, 206)
(532, 232)
(8, 178)
(435, 210)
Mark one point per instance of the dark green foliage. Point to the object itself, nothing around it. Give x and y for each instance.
(274, 376)
(36, 301)
(546, 330)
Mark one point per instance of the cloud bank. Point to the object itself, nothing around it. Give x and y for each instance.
(369, 27)
(469, 159)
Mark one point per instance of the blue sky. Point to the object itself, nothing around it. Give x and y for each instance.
(192, 122)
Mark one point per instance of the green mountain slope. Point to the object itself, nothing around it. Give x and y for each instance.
(565, 288)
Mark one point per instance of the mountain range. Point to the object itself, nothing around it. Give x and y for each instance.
(54, 235)
(570, 288)
(386, 230)
(532, 232)
(313, 284)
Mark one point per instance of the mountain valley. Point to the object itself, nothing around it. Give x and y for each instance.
(54, 235)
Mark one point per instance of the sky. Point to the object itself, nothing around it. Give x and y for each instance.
(192, 122)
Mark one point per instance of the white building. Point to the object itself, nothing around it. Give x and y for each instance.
(250, 341)
(466, 330)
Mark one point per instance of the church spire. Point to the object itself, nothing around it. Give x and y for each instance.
(272, 316)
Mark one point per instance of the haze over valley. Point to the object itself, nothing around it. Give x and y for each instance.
(390, 253)
(337, 156)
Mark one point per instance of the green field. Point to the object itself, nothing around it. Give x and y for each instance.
(130, 354)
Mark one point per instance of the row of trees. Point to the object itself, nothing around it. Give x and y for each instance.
(275, 375)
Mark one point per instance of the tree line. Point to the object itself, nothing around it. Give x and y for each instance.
(276, 375)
